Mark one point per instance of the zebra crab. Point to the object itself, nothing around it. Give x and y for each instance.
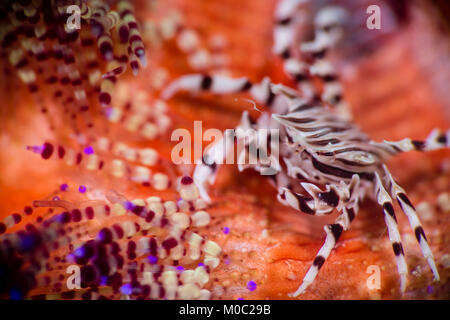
(324, 148)
(319, 144)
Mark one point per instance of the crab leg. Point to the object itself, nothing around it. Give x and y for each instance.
(262, 92)
(345, 198)
(214, 156)
(435, 140)
(333, 232)
(328, 31)
(385, 200)
(407, 207)
(297, 201)
(288, 19)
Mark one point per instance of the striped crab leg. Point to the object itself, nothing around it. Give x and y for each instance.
(328, 31)
(435, 140)
(206, 171)
(346, 201)
(385, 200)
(318, 202)
(296, 200)
(288, 19)
(263, 92)
(333, 232)
(408, 208)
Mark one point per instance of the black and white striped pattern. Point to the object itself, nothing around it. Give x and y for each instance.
(288, 19)
(385, 201)
(333, 232)
(435, 140)
(407, 207)
(261, 92)
(328, 30)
